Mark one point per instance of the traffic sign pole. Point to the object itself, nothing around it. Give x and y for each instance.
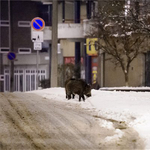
(37, 25)
(37, 69)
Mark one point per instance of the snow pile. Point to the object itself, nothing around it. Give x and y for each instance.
(131, 107)
(118, 135)
(128, 108)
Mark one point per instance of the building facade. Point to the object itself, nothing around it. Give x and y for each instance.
(15, 33)
(73, 46)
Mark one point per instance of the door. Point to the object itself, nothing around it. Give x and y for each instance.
(24, 79)
(147, 69)
(18, 80)
(6, 80)
(30, 78)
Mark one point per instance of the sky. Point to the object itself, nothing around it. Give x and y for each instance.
(130, 108)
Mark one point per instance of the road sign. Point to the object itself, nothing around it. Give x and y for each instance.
(91, 46)
(37, 36)
(37, 46)
(11, 56)
(38, 24)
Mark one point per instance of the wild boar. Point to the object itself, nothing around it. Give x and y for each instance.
(65, 87)
(77, 86)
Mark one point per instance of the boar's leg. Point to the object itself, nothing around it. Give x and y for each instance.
(73, 95)
(79, 98)
(68, 95)
(83, 97)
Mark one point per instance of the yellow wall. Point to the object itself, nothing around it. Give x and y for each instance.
(68, 48)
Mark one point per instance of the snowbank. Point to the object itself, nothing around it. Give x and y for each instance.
(132, 108)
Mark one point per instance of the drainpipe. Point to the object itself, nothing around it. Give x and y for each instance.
(63, 11)
(102, 69)
(77, 70)
(85, 60)
(89, 70)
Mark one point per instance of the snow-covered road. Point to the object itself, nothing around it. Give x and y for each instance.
(29, 121)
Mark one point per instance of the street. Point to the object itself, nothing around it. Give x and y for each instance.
(30, 122)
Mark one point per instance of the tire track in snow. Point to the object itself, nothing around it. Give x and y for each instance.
(17, 116)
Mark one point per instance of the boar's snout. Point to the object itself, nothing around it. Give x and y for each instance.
(88, 94)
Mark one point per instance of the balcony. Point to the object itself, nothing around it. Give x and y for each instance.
(65, 31)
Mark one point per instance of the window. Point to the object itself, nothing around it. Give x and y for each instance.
(27, 71)
(24, 24)
(45, 12)
(24, 50)
(43, 71)
(4, 49)
(45, 47)
(1, 77)
(4, 23)
(16, 71)
(7, 71)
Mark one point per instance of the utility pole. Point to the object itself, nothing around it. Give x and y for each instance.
(54, 57)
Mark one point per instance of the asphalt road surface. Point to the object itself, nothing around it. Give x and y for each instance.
(30, 122)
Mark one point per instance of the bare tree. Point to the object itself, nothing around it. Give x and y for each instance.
(141, 17)
(119, 31)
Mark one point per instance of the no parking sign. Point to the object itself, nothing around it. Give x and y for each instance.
(11, 56)
(38, 24)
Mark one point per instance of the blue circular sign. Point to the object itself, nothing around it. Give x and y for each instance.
(11, 56)
(38, 24)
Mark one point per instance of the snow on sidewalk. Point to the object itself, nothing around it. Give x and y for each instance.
(133, 108)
